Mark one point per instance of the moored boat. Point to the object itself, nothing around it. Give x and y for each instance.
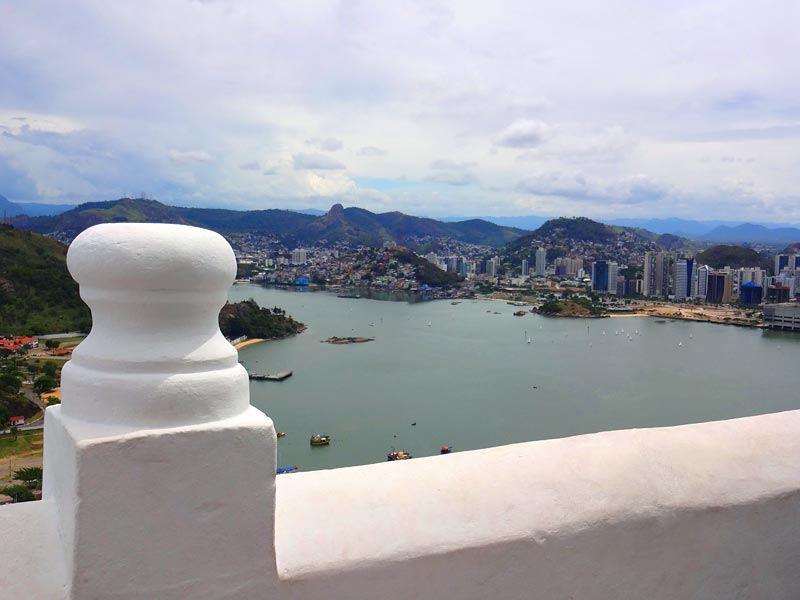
(320, 440)
(445, 450)
(398, 455)
(280, 433)
(282, 470)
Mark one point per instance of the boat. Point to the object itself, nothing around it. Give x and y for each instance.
(354, 296)
(398, 455)
(277, 377)
(445, 450)
(320, 440)
(282, 470)
(520, 313)
(280, 433)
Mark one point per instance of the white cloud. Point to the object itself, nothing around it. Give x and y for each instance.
(250, 166)
(478, 84)
(177, 157)
(371, 151)
(302, 160)
(326, 145)
(524, 133)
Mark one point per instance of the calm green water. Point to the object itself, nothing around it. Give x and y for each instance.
(467, 379)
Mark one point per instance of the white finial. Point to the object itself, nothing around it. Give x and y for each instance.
(155, 356)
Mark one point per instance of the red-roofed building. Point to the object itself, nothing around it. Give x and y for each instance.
(18, 420)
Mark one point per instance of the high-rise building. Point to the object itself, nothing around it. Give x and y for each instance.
(299, 256)
(604, 276)
(751, 293)
(781, 263)
(524, 267)
(656, 274)
(541, 261)
(600, 276)
(684, 277)
(491, 266)
(719, 288)
(702, 281)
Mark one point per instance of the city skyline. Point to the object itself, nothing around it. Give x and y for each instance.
(441, 109)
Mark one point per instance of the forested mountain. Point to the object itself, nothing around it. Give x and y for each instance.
(352, 225)
(736, 257)
(37, 294)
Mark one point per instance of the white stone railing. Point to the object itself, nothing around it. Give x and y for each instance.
(160, 480)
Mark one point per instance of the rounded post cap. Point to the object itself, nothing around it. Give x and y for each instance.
(147, 256)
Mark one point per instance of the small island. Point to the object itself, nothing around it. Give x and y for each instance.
(347, 340)
(581, 308)
(248, 319)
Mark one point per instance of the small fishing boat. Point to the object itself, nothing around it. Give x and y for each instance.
(320, 440)
(398, 455)
(445, 450)
(282, 470)
(280, 433)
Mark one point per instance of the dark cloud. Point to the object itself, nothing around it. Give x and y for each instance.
(302, 161)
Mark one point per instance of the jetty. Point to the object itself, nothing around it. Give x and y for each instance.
(277, 377)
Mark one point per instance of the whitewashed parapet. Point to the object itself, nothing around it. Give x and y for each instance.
(161, 473)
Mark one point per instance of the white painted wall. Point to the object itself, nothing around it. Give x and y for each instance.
(160, 480)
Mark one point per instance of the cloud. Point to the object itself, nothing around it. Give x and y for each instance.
(177, 157)
(452, 178)
(251, 166)
(635, 189)
(524, 133)
(302, 161)
(326, 145)
(270, 170)
(371, 151)
(449, 165)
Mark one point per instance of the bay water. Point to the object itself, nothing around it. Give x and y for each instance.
(465, 375)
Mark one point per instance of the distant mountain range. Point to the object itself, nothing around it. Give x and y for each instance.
(704, 231)
(32, 209)
(352, 225)
(357, 224)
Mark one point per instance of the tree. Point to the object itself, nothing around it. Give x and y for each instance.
(18, 493)
(50, 369)
(5, 417)
(32, 476)
(44, 384)
(52, 344)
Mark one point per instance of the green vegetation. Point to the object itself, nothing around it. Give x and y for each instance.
(352, 225)
(733, 256)
(37, 295)
(572, 307)
(425, 271)
(18, 493)
(26, 442)
(30, 476)
(248, 318)
(579, 228)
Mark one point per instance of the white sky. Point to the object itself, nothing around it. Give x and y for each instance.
(603, 109)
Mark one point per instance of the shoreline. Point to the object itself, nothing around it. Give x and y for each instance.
(252, 341)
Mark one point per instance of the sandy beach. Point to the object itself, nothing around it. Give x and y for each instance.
(249, 342)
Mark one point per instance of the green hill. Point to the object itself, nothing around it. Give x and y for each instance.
(733, 256)
(351, 225)
(37, 295)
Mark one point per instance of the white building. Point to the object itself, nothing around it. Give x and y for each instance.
(299, 256)
(524, 267)
(541, 261)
